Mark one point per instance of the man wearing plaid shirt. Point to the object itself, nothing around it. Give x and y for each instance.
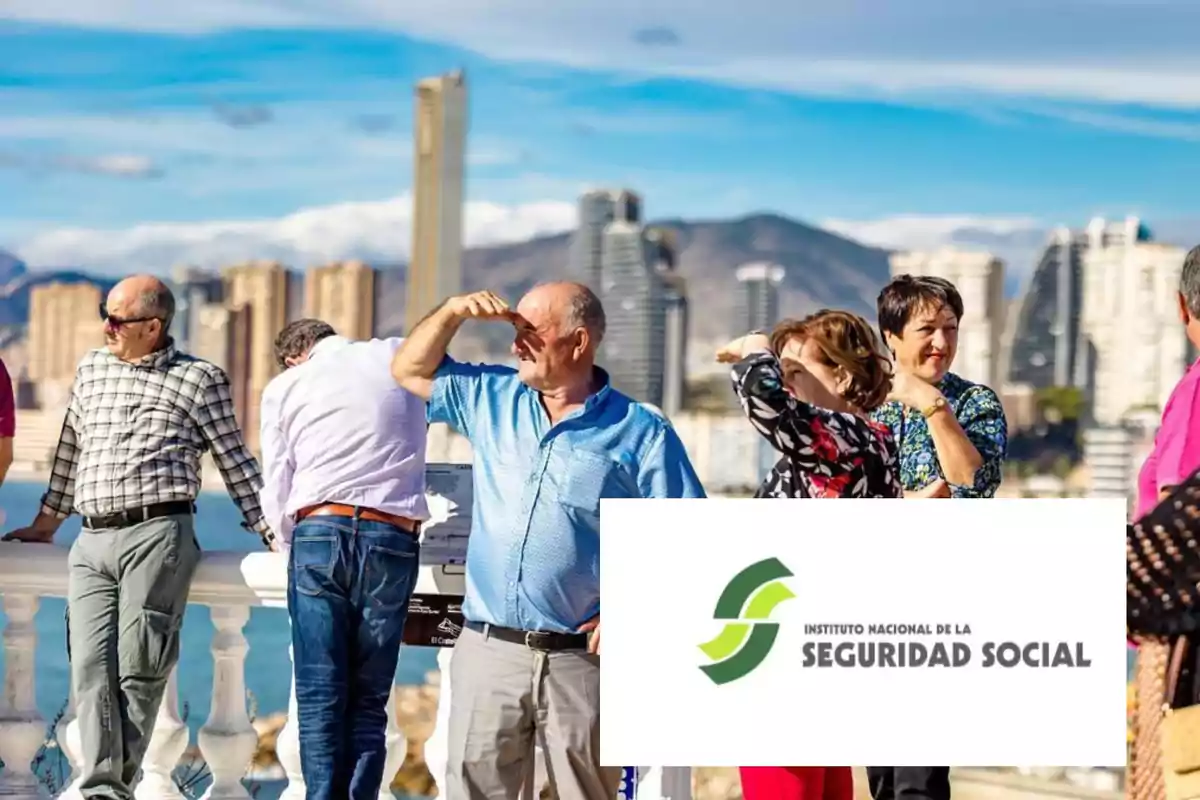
(139, 417)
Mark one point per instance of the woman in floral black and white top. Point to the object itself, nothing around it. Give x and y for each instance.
(808, 389)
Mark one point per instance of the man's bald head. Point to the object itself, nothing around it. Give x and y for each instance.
(144, 296)
(139, 310)
(560, 326)
(575, 306)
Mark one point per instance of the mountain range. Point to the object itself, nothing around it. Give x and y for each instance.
(822, 269)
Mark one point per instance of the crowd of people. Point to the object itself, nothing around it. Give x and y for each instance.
(852, 411)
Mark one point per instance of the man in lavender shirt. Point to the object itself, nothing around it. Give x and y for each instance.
(344, 485)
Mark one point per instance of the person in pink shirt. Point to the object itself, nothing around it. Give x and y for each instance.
(8, 421)
(1174, 457)
(1176, 452)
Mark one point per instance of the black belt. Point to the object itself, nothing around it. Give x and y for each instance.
(534, 640)
(132, 516)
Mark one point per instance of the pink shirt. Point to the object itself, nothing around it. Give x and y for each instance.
(8, 413)
(1176, 452)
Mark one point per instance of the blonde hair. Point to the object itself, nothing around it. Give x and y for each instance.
(847, 341)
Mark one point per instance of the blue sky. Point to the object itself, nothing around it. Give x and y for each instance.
(132, 132)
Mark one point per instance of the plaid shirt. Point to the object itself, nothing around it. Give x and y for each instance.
(134, 433)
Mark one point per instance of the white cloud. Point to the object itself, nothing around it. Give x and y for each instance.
(1017, 240)
(377, 231)
(920, 232)
(122, 166)
(1034, 48)
(116, 165)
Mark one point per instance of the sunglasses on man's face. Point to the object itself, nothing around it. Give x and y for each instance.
(117, 322)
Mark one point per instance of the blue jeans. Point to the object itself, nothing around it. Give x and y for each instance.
(349, 583)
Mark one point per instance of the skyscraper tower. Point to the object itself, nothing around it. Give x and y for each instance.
(757, 305)
(664, 253)
(439, 137)
(597, 208)
(194, 290)
(64, 324)
(756, 308)
(632, 292)
(262, 288)
(342, 294)
(1047, 346)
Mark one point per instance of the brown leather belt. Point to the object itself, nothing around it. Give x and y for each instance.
(339, 510)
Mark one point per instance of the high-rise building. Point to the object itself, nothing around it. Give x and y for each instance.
(632, 291)
(1130, 328)
(979, 279)
(1045, 337)
(194, 289)
(435, 265)
(64, 324)
(1109, 452)
(663, 252)
(342, 294)
(757, 303)
(675, 323)
(224, 336)
(756, 308)
(210, 336)
(597, 208)
(263, 287)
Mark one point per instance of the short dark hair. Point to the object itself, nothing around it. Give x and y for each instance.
(298, 337)
(907, 294)
(1189, 281)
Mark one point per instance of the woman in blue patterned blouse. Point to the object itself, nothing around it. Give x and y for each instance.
(951, 434)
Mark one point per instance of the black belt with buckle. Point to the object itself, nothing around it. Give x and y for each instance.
(132, 516)
(534, 640)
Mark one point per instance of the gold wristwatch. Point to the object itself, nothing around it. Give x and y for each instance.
(935, 407)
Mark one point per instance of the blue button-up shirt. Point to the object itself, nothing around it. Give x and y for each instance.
(533, 562)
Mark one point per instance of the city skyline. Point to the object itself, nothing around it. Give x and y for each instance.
(270, 126)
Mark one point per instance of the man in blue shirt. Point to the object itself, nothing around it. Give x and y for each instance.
(550, 439)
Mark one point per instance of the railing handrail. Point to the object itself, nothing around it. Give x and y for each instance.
(223, 577)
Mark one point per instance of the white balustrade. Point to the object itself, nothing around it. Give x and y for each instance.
(22, 727)
(437, 755)
(167, 744)
(66, 733)
(228, 739)
(287, 748)
(230, 584)
(397, 748)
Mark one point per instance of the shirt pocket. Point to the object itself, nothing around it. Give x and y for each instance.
(588, 477)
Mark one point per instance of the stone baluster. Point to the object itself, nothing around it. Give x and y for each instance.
(397, 747)
(67, 734)
(287, 747)
(228, 741)
(167, 744)
(22, 727)
(437, 746)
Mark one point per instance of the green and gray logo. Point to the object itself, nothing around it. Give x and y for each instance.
(749, 599)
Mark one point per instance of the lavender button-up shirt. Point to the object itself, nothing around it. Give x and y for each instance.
(337, 429)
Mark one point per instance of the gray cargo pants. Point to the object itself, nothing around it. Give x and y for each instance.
(127, 591)
(502, 696)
